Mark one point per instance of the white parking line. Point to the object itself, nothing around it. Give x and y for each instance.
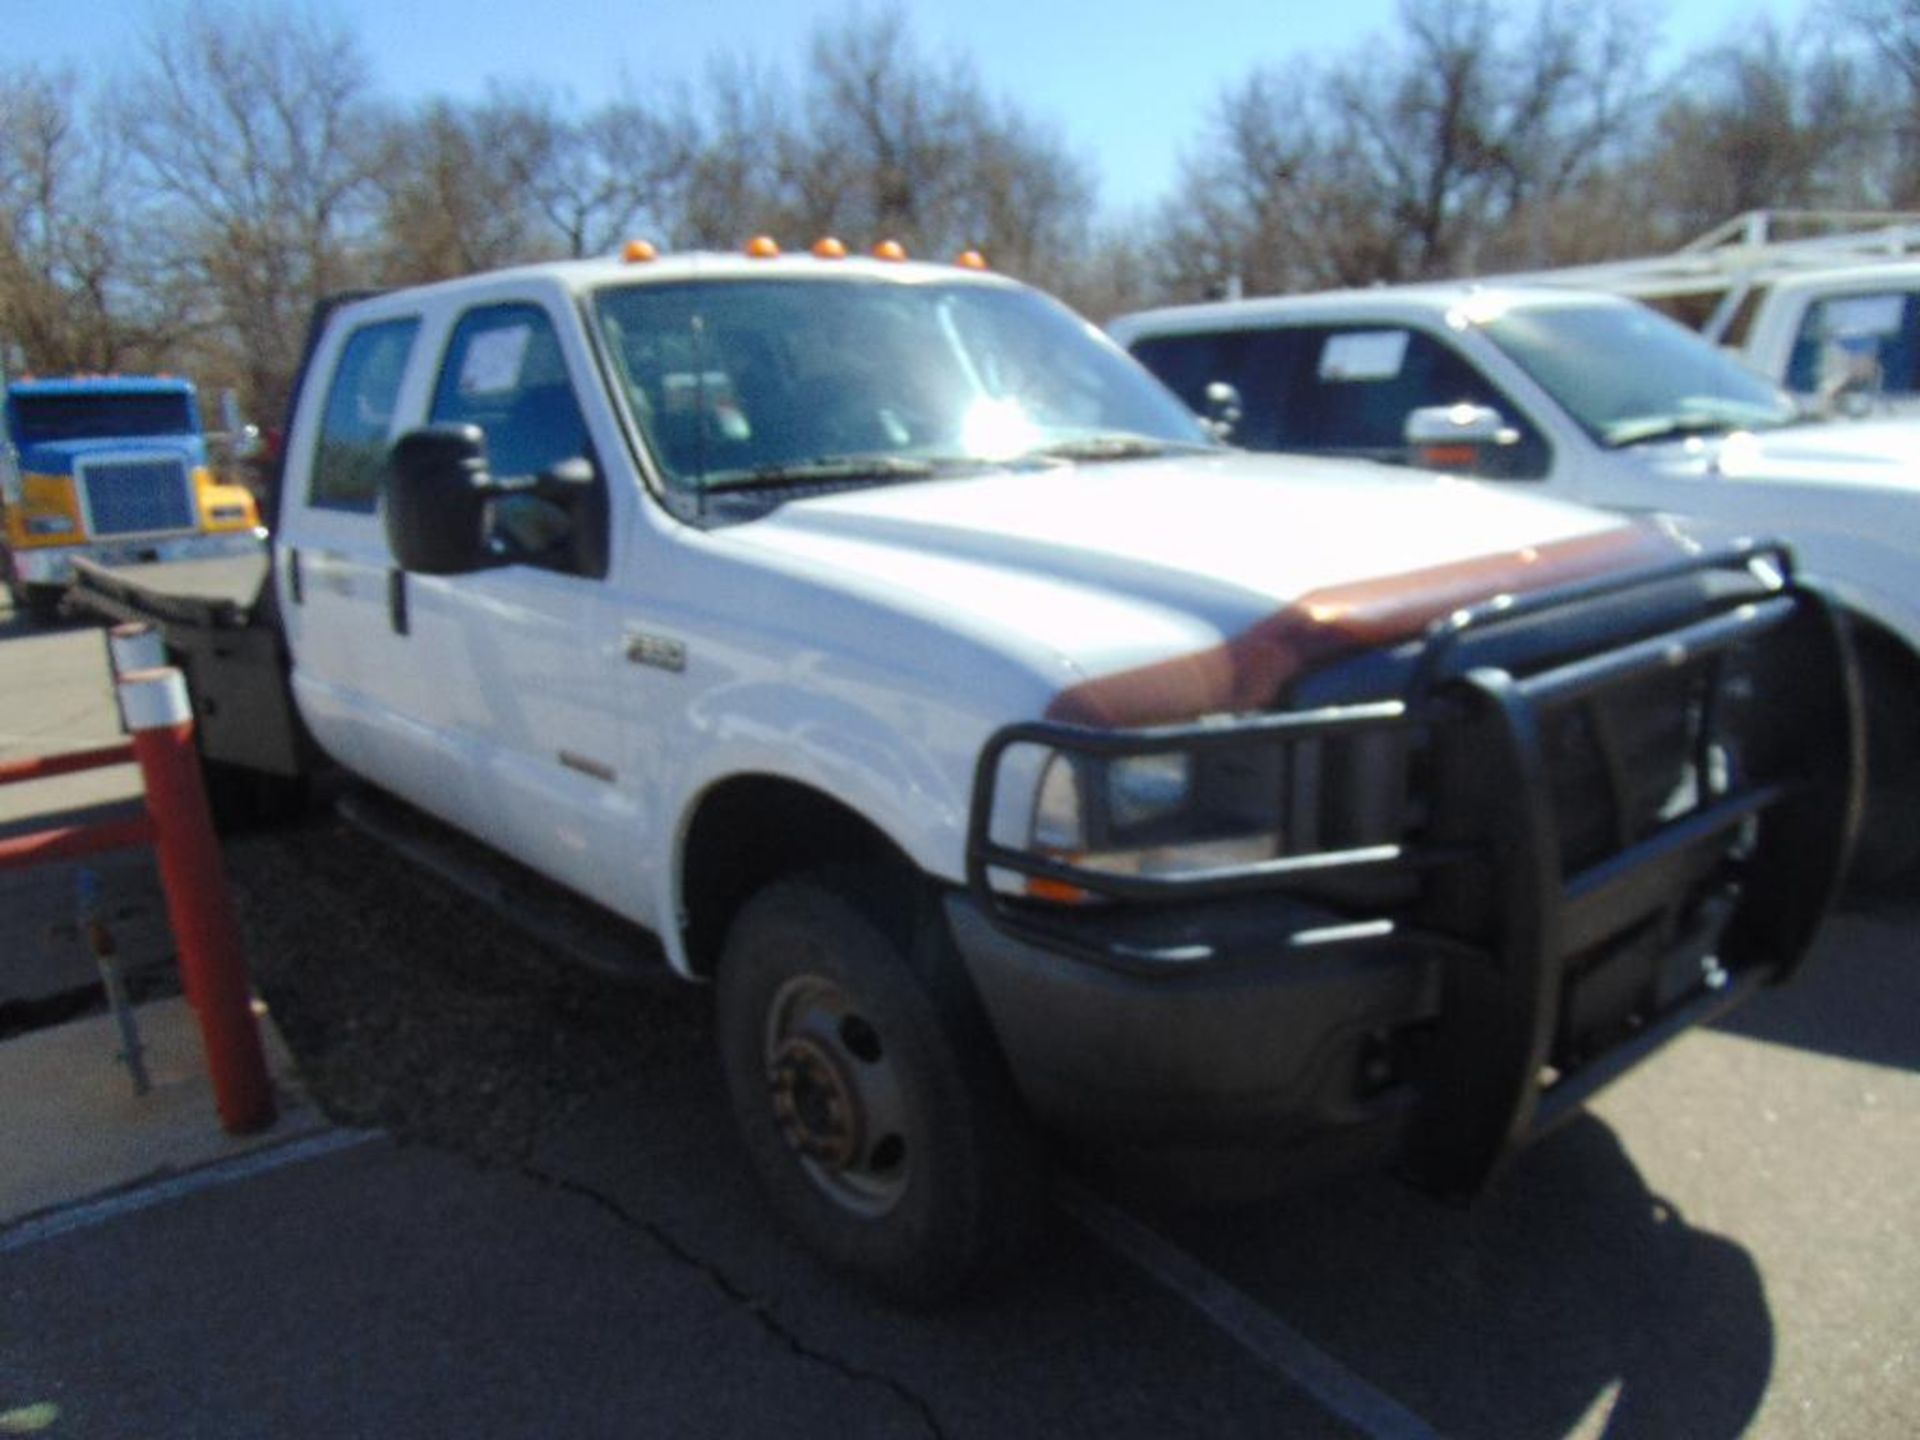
(1265, 1336)
(209, 1177)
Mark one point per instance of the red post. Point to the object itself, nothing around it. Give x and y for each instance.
(212, 963)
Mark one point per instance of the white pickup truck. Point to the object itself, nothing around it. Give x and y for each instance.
(1013, 758)
(1591, 398)
(1845, 340)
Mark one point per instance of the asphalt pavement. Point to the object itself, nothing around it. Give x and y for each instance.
(1724, 1245)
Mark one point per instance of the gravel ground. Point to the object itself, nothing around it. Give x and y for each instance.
(411, 1008)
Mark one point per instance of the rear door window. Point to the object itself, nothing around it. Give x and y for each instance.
(356, 424)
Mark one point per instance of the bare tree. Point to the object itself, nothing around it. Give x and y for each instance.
(1768, 121)
(253, 129)
(73, 291)
(1889, 32)
(1424, 154)
(450, 201)
(743, 152)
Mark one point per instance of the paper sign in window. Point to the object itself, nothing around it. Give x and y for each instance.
(493, 360)
(1858, 316)
(1364, 355)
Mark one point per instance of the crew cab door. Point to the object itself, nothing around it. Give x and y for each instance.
(354, 675)
(520, 657)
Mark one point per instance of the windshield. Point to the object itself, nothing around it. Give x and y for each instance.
(745, 382)
(1629, 375)
(44, 418)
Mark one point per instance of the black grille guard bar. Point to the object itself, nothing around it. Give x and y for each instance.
(1502, 989)
(1742, 619)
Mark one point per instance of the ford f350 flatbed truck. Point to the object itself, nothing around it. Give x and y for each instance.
(112, 469)
(1013, 759)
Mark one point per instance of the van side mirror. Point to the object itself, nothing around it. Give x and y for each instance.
(1456, 438)
(434, 493)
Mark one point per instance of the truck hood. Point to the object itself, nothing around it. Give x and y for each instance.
(1876, 454)
(1158, 590)
(56, 457)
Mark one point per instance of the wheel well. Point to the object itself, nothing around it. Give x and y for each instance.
(1879, 645)
(751, 830)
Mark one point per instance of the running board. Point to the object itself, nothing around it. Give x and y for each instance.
(575, 928)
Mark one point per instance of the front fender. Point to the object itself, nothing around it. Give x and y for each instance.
(908, 774)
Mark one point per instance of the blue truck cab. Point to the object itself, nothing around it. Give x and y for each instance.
(115, 469)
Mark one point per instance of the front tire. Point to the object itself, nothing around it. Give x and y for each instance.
(867, 1089)
(1887, 851)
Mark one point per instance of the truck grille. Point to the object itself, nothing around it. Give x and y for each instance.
(1621, 764)
(136, 496)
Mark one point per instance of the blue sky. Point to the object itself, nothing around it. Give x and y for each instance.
(1127, 83)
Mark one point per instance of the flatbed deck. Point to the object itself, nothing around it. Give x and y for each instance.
(220, 594)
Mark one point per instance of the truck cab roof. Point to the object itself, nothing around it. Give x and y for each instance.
(102, 385)
(1435, 300)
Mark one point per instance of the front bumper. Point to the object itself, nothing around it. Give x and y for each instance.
(53, 565)
(1292, 1040)
(1454, 995)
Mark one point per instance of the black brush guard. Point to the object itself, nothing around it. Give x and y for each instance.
(1732, 889)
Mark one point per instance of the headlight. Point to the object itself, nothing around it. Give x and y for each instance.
(1166, 813)
(49, 524)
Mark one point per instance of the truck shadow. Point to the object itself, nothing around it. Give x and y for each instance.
(1572, 1299)
(1857, 995)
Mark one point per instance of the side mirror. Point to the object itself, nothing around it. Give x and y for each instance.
(446, 514)
(243, 438)
(559, 513)
(1223, 409)
(435, 493)
(1456, 438)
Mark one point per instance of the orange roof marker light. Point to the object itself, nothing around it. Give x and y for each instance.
(970, 260)
(638, 252)
(889, 250)
(763, 247)
(828, 248)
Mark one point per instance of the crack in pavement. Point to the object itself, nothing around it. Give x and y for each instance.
(758, 1307)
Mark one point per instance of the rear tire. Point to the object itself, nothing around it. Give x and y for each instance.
(242, 799)
(869, 1093)
(39, 603)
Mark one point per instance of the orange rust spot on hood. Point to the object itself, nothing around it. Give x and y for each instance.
(1249, 671)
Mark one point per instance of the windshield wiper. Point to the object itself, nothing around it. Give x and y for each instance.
(1667, 427)
(1109, 447)
(825, 468)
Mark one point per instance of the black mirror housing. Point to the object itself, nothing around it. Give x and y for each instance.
(434, 499)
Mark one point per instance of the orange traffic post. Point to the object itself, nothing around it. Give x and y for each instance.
(212, 964)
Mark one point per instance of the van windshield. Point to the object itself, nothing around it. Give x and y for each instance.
(1631, 376)
(740, 383)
